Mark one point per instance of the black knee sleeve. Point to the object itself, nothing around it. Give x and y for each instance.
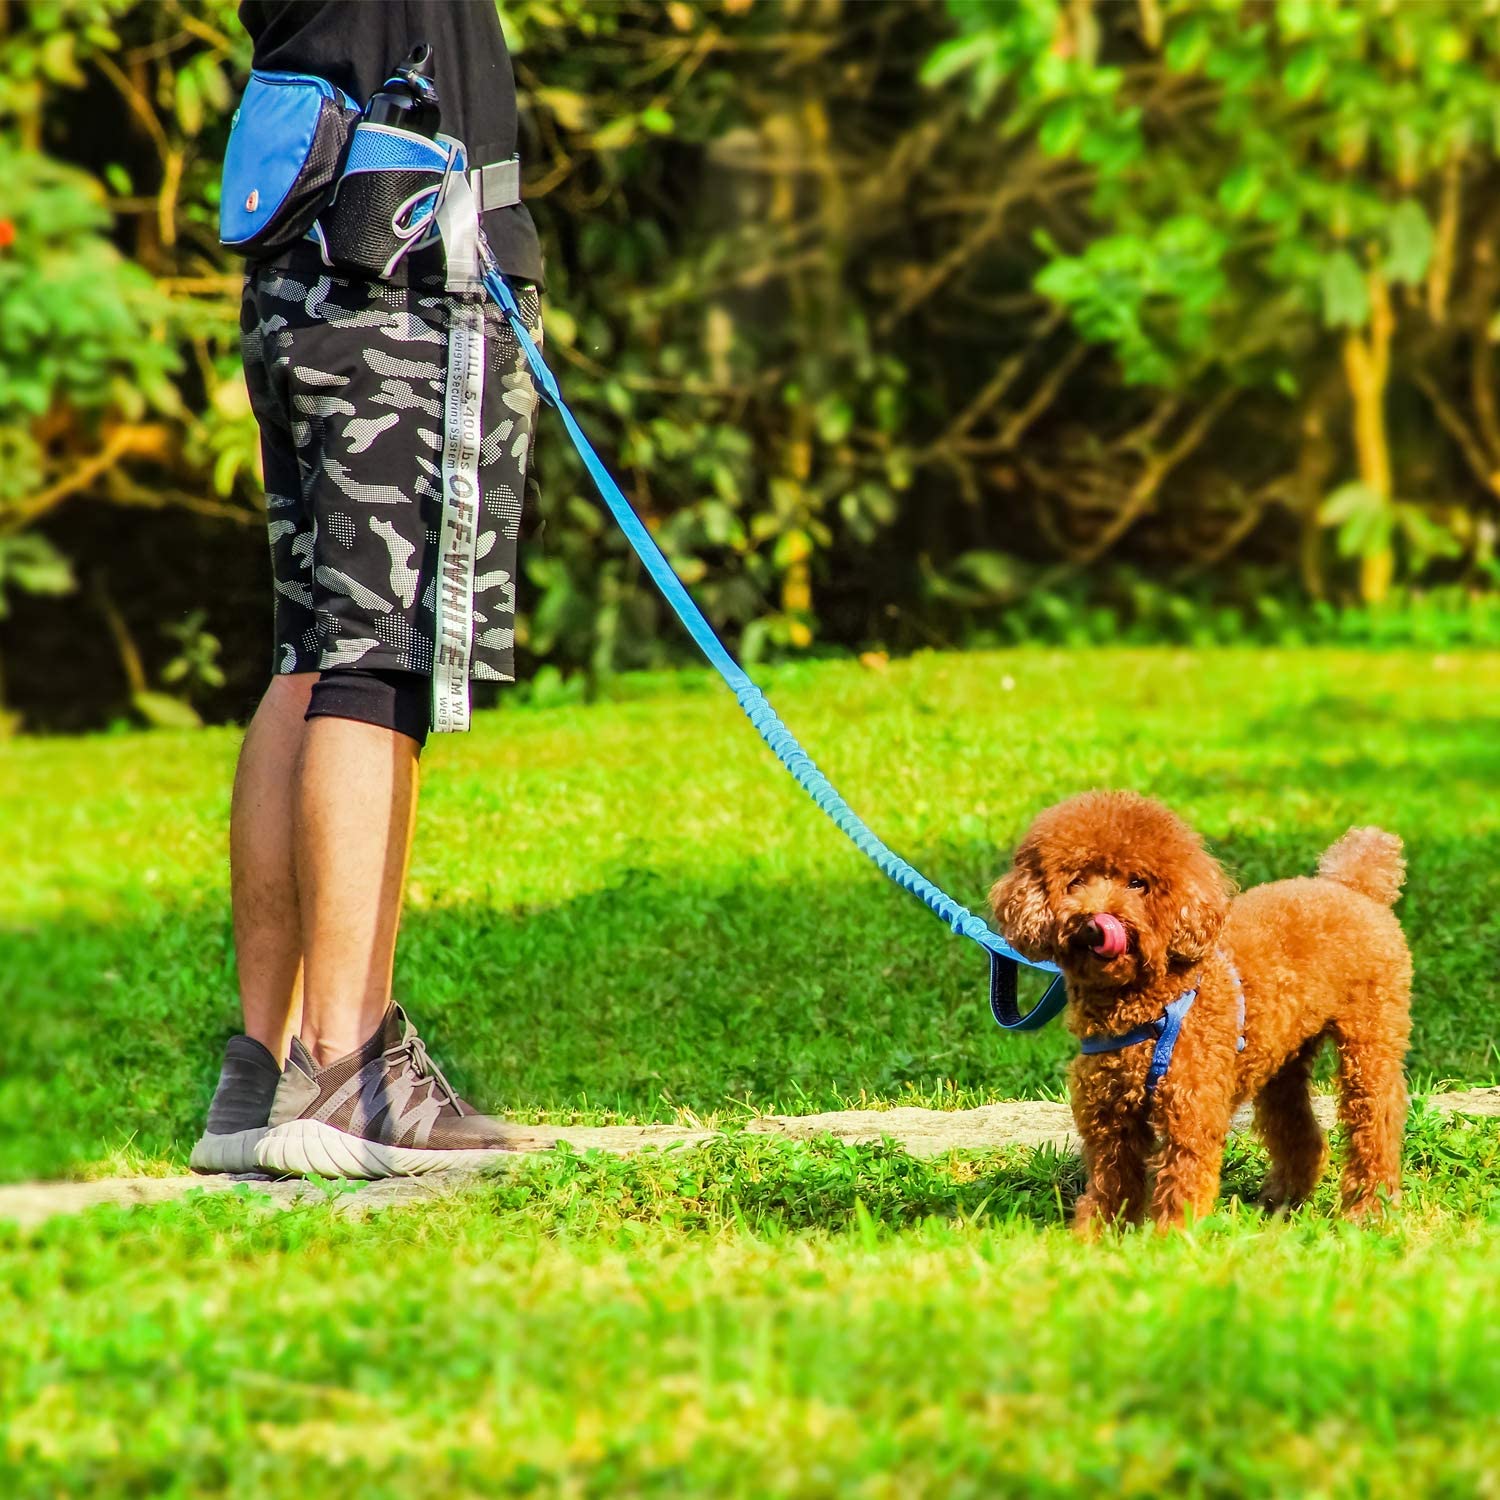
(401, 701)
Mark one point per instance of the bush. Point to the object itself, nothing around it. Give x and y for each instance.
(901, 323)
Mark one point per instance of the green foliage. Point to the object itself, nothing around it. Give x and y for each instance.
(1368, 522)
(1251, 179)
(1121, 606)
(1151, 295)
(31, 565)
(1282, 151)
(852, 302)
(196, 665)
(102, 355)
(159, 710)
(80, 326)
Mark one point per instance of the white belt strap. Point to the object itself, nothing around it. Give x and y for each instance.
(452, 644)
(458, 223)
(464, 196)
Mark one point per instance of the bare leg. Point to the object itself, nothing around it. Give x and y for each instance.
(263, 877)
(356, 800)
(1286, 1123)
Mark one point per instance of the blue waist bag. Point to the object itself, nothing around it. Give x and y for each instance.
(286, 150)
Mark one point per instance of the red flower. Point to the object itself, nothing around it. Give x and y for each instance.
(7, 233)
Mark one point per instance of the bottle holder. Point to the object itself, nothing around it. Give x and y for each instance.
(387, 199)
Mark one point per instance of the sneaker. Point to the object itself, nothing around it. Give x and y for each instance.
(241, 1109)
(384, 1111)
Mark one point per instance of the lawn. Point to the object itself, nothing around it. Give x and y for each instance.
(760, 1319)
(629, 911)
(626, 911)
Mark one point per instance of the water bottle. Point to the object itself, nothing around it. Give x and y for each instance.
(408, 99)
(386, 199)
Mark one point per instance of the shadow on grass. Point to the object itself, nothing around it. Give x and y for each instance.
(769, 1186)
(659, 993)
(648, 996)
(1327, 748)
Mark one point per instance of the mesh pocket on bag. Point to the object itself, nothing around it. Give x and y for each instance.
(385, 202)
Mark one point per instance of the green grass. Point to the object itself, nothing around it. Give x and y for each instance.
(761, 1318)
(630, 911)
(627, 910)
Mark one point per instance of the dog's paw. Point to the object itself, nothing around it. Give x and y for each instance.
(1369, 1202)
(1273, 1198)
(1279, 1197)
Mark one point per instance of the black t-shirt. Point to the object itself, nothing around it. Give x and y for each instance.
(355, 43)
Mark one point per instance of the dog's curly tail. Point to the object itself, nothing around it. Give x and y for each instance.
(1367, 860)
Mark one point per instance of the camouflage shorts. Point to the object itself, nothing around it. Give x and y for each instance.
(348, 380)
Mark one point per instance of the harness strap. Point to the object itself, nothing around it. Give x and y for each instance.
(1003, 958)
(1171, 1029)
(1104, 1041)
(1166, 1028)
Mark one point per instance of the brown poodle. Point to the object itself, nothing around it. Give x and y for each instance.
(1122, 895)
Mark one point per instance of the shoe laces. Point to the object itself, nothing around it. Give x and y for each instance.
(412, 1048)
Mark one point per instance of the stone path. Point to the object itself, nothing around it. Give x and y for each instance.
(923, 1132)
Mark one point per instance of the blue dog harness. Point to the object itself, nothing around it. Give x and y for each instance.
(1166, 1028)
(283, 140)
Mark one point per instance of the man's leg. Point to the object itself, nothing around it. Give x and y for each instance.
(355, 803)
(359, 1096)
(320, 833)
(267, 935)
(263, 875)
(353, 515)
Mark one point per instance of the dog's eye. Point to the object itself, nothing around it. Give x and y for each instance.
(1138, 883)
(1075, 882)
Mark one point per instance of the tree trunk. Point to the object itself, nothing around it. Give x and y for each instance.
(1367, 360)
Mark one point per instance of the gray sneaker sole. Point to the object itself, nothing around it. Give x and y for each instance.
(231, 1152)
(309, 1148)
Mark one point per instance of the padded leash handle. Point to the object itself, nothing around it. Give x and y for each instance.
(1004, 974)
(783, 744)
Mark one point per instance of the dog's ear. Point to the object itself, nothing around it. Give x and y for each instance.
(1019, 901)
(1202, 892)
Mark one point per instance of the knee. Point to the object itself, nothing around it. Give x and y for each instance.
(287, 696)
(398, 701)
(291, 687)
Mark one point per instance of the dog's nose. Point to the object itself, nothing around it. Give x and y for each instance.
(1104, 933)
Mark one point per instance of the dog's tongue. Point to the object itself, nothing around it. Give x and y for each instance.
(1112, 940)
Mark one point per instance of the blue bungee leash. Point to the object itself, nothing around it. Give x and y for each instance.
(1003, 958)
(371, 185)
